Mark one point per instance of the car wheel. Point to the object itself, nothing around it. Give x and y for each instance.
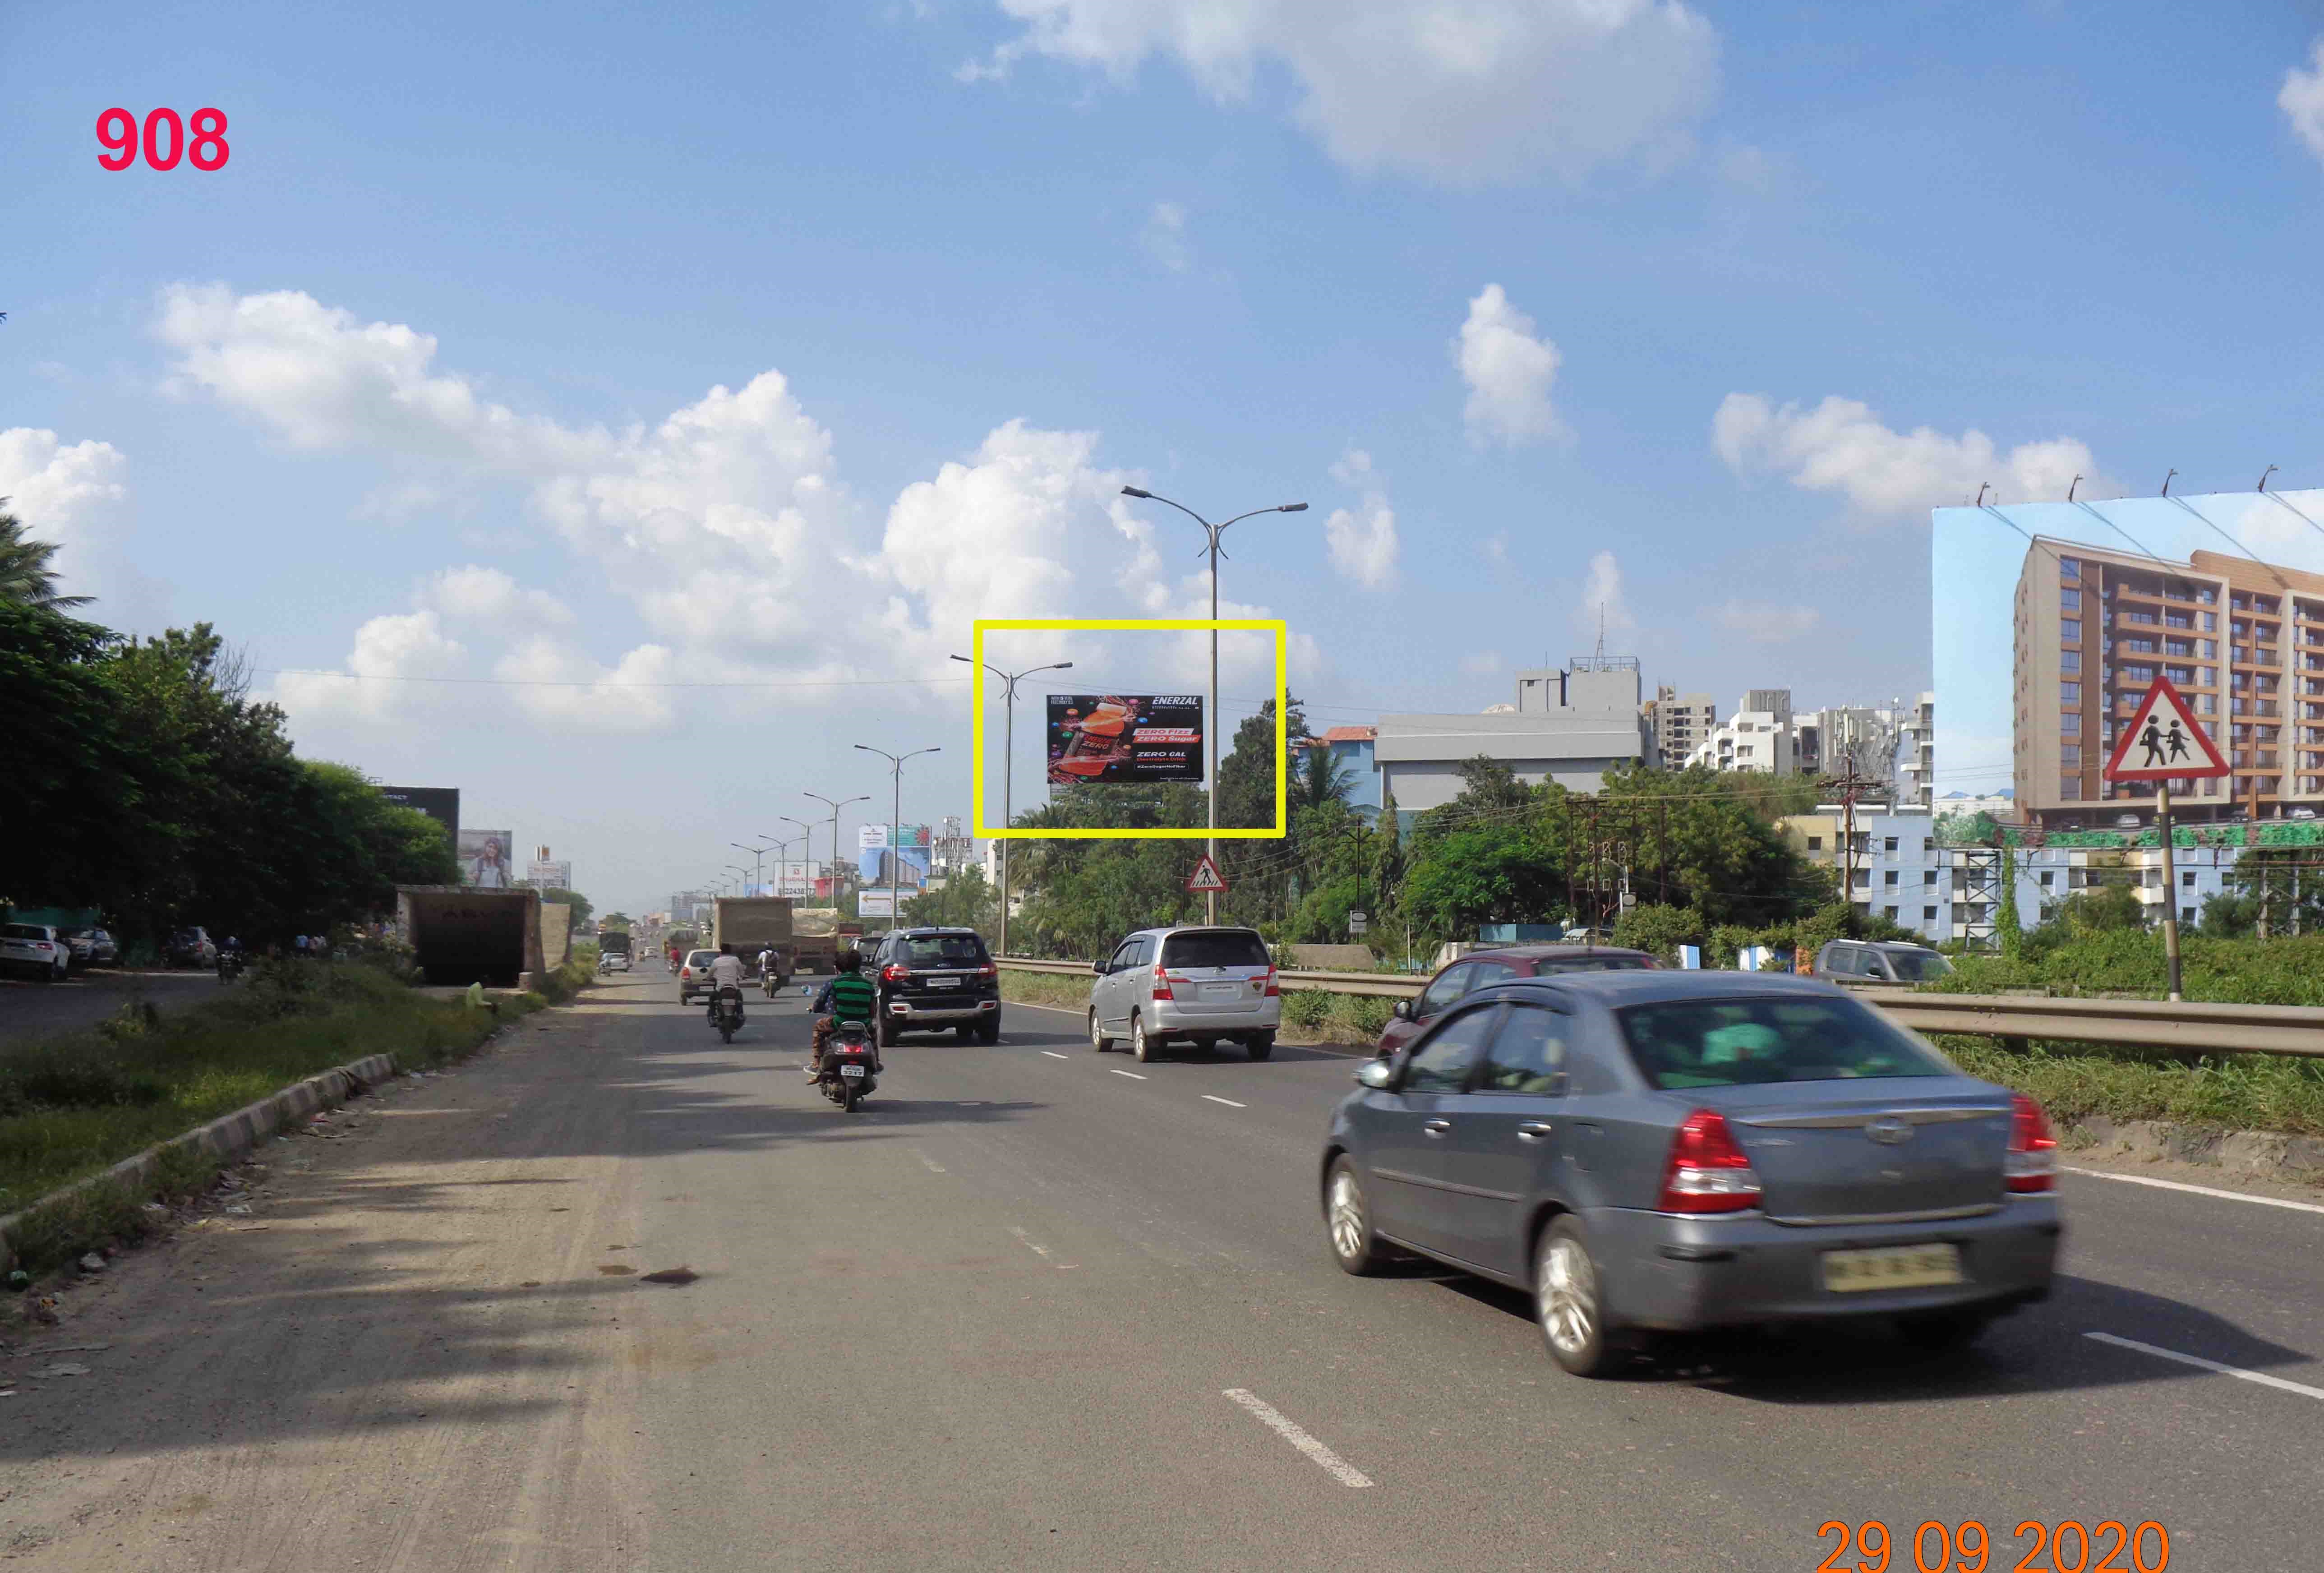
(1144, 1048)
(989, 1032)
(885, 1033)
(1567, 1302)
(965, 1031)
(1348, 1221)
(1260, 1044)
(1098, 1040)
(1940, 1330)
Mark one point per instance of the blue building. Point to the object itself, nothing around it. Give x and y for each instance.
(1352, 749)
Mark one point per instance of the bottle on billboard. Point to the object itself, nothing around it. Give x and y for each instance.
(1125, 737)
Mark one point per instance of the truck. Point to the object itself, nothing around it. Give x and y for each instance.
(751, 923)
(816, 939)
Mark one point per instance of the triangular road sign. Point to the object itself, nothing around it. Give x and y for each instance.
(2163, 742)
(1206, 879)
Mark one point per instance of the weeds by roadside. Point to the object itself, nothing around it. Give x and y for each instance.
(2225, 1091)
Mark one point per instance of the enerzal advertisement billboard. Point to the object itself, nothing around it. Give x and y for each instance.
(441, 803)
(1125, 737)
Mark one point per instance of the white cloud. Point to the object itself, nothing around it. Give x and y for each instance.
(2303, 100)
(1165, 236)
(1602, 605)
(1462, 92)
(1767, 622)
(1362, 541)
(70, 494)
(1841, 445)
(1508, 372)
(487, 594)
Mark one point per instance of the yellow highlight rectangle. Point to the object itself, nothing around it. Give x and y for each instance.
(1159, 625)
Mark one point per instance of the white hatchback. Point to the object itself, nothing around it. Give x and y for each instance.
(1187, 985)
(34, 948)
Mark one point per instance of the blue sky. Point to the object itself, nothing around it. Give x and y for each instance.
(1690, 314)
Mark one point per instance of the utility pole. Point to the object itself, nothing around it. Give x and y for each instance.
(895, 826)
(1358, 834)
(1849, 784)
(1211, 722)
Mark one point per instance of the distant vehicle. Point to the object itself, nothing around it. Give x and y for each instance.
(2125, 822)
(92, 947)
(815, 939)
(930, 979)
(694, 975)
(613, 961)
(1760, 1148)
(1196, 985)
(1479, 969)
(35, 949)
(2301, 814)
(613, 939)
(190, 947)
(1880, 962)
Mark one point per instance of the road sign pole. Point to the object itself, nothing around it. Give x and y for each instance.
(2169, 888)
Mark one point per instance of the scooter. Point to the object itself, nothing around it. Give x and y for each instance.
(851, 1066)
(726, 1012)
(229, 966)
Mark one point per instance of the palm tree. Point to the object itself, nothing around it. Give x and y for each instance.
(1321, 779)
(25, 577)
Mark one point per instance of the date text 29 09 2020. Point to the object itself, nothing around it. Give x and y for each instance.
(2068, 1546)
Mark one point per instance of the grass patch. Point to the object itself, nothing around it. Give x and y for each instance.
(74, 1104)
(2267, 1092)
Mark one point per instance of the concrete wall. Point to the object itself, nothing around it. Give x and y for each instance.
(556, 933)
(462, 935)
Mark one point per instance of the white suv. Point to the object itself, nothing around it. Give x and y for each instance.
(36, 948)
(1187, 985)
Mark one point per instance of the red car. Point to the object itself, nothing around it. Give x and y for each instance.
(1479, 968)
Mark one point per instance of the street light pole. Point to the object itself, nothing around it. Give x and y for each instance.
(834, 807)
(757, 857)
(894, 824)
(1210, 729)
(1008, 761)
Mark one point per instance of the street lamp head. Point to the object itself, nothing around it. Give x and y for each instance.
(963, 660)
(868, 750)
(1135, 491)
(1293, 508)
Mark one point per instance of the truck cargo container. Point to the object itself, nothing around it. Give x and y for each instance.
(751, 923)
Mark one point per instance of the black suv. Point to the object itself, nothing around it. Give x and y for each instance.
(930, 979)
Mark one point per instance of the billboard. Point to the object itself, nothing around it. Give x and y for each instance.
(1125, 737)
(484, 861)
(556, 875)
(441, 803)
(874, 903)
(905, 867)
(795, 879)
(868, 836)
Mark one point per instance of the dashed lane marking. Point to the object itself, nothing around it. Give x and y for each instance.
(1038, 1249)
(1133, 1075)
(2194, 1190)
(2261, 1377)
(1230, 1102)
(1330, 1462)
(1054, 1055)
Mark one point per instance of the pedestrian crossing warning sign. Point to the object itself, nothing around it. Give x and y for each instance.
(1205, 878)
(2163, 742)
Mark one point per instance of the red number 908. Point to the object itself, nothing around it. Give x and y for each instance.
(118, 132)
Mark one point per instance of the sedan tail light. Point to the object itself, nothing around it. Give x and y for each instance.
(1706, 1172)
(894, 972)
(2032, 1161)
(988, 971)
(1274, 988)
(1162, 983)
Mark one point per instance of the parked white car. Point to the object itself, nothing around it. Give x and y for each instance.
(1187, 985)
(36, 949)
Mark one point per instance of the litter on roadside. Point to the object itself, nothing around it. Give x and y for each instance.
(61, 1368)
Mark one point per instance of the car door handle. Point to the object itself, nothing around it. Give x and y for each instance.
(1532, 1130)
(1436, 1128)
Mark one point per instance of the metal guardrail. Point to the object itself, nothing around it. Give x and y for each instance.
(2191, 1026)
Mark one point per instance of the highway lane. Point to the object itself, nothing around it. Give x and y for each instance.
(994, 1320)
(28, 1009)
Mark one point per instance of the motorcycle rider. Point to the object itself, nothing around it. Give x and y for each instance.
(229, 955)
(852, 997)
(725, 972)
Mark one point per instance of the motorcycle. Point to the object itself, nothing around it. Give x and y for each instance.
(726, 1013)
(229, 966)
(851, 1066)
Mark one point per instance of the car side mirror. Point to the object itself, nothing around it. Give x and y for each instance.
(1403, 1010)
(1376, 1075)
(1100, 968)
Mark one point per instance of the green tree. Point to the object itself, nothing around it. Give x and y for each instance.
(1660, 930)
(72, 773)
(616, 922)
(1485, 873)
(25, 577)
(2011, 930)
(965, 899)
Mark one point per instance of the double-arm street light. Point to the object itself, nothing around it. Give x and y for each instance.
(806, 841)
(757, 857)
(834, 807)
(1007, 757)
(894, 824)
(1210, 729)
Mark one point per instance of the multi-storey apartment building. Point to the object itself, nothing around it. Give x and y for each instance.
(1680, 722)
(2244, 641)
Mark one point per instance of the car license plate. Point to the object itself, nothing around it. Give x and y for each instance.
(943, 982)
(850, 1071)
(1891, 1268)
(1222, 991)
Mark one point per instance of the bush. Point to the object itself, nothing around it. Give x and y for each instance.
(1306, 1008)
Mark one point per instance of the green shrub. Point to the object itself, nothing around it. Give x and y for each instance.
(1306, 1008)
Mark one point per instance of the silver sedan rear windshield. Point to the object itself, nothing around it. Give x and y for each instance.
(1729, 1043)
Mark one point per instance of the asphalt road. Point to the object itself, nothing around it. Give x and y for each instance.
(28, 1009)
(1038, 1308)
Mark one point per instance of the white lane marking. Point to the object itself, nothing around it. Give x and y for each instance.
(1133, 1075)
(1230, 1102)
(1038, 1249)
(933, 1166)
(2261, 1377)
(2196, 1189)
(1054, 1055)
(1330, 1462)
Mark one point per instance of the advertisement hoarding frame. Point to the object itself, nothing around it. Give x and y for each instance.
(1276, 626)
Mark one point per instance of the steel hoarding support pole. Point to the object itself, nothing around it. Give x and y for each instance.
(2169, 888)
(1211, 733)
(1008, 762)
